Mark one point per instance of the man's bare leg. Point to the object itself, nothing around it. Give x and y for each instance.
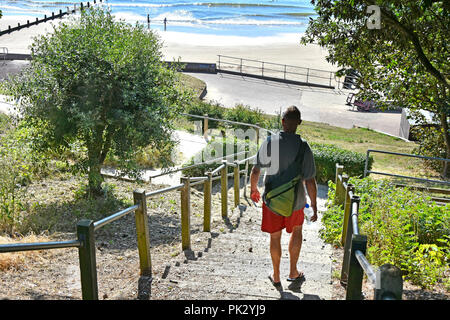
(275, 253)
(295, 245)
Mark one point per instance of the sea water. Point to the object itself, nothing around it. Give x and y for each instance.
(246, 18)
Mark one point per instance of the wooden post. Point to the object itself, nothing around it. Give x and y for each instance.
(389, 283)
(339, 186)
(142, 231)
(257, 137)
(224, 189)
(347, 244)
(185, 214)
(207, 203)
(347, 208)
(342, 191)
(355, 272)
(237, 181)
(88, 265)
(245, 176)
(205, 127)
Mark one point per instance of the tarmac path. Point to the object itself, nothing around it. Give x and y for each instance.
(316, 104)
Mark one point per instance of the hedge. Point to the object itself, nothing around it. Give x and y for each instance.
(326, 156)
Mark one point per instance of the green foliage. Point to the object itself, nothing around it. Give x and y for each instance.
(431, 144)
(404, 228)
(101, 85)
(239, 113)
(326, 156)
(200, 108)
(403, 63)
(246, 114)
(18, 165)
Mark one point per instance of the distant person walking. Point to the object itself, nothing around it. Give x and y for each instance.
(165, 24)
(278, 154)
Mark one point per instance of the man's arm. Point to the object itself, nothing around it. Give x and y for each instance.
(311, 188)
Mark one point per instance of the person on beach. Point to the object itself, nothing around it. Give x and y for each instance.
(280, 158)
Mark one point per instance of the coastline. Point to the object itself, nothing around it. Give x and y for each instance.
(189, 47)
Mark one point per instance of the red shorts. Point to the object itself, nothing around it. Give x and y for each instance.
(272, 222)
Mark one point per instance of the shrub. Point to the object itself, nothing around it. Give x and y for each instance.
(246, 114)
(201, 108)
(403, 227)
(211, 151)
(326, 156)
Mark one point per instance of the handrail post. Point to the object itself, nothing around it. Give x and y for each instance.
(185, 214)
(355, 271)
(347, 243)
(257, 137)
(347, 208)
(207, 203)
(389, 283)
(339, 186)
(237, 181)
(366, 163)
(88, 264)
(142, 232)
(205, 126)
(224, 189)
(245, 177)
(342, 189)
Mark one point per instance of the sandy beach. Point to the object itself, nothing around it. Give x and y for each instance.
(284, 49)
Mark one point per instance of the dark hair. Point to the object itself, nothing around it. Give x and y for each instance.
(292, 113)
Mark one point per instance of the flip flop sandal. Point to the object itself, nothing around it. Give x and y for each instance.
(277, 285)
(300, 277)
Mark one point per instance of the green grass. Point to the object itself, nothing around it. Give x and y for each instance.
(361, 139)
(193, 83)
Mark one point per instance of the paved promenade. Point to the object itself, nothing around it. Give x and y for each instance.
(315, 104)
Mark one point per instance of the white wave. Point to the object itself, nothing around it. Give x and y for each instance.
(184, 17)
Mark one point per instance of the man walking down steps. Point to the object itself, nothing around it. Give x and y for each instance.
(278, 154)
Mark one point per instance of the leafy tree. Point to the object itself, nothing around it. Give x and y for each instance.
(99, 84)
(402, 61)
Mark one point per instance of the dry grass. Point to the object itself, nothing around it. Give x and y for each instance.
(16, 260)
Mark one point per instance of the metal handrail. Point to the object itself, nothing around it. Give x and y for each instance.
(355, 263)
(227, 121)
(114, 217)
(263, 71)
(366, 171)
(15, 247)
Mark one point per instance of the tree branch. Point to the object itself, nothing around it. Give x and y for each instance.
(417, 46)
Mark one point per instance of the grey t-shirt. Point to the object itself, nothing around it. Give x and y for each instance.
(278, 152)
